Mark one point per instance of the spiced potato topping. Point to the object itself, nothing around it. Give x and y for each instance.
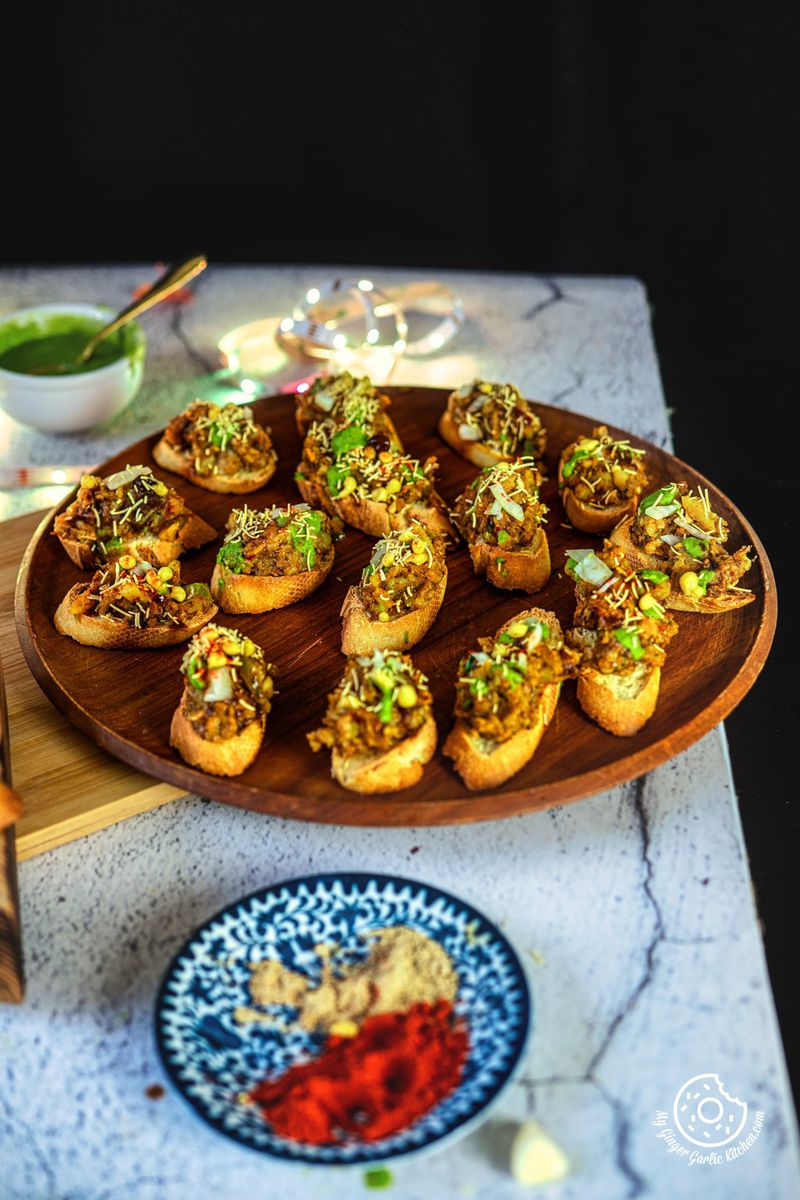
(381, 700)
(229, 684)
(352, 461)
(498, 416)
(601, 471)
(141, 595)
(220, 439)
(278, 541)
(346, 399)
(499, 686)
(501, 506)
(108, 513)
(625, 609)
(405, 573)
(683, 531)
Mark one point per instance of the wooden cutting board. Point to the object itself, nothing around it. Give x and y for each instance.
(69, 786)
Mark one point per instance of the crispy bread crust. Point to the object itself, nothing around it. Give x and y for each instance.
(229, 757)
(398, 768)
(475, 452)
(526, 570)
(676, 600)
(263, 593)
(361, 634)
(181, 464)
(594, 520)
(484, 764)
(376, 519)
(622, 715)
(110, 634)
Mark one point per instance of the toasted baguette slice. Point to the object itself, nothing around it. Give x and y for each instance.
(315, 493)
(398, 768)
(591, 519)
(263, 593)
(377, 519)
(676, 600)
(527, 570)
(361, 634)
(10, 806)
(621, 704)
(168, 457)
(482, 763)
(229, 757)
(158, 551)
(475, 452)
(111, 634)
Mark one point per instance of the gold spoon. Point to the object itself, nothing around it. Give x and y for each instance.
(168, 283)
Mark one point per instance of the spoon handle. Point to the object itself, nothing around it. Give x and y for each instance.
(168, 283)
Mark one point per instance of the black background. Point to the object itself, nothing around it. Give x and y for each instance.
(651, 140)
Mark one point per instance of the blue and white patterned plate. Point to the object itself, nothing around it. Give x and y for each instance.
(212, 1060)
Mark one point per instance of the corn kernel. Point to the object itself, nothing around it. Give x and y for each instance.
(647, 601)
(383, 616)
(388, 558)
(382, 679)
(177, 593)
(127, 562)
(393, 486)
(385, 456)
(215, 659)
(407, 535)
(348, 486)
(248, 647)
(380, 494)
(165, 572)
(518, 629)
(407, 696)
(160, 488)
(88, 481)
(418, 546)
(689, 583)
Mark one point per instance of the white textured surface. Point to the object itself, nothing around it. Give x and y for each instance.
(638, 901)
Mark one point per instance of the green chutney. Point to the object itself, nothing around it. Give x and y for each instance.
(40, 345)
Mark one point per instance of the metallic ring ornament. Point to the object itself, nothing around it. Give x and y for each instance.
(316, 327)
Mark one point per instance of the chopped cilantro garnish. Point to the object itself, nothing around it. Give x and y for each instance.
(502, 537)
(654, 576)
(694, 547)
(335, 476)
(629, 638)
(572, 462)
(665, 495)
(348, 438)
(231, 556)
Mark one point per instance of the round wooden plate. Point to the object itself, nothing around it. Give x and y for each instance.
(125, 700)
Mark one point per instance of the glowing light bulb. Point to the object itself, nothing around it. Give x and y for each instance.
(365, 285)
(436, 341)
(249, 387)
(302, 387)
(59, 476)
(373, 336)
(399, 346)
(312, 295)
(286, 324)
(339, 341)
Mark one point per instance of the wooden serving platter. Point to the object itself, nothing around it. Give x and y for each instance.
(125, 700)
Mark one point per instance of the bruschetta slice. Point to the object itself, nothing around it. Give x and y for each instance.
(219, 448)
(130, 605)
(346, 400)
(506, 696)
(374, 490)
(129, 512)
(379, 724)
(228, 689)
(487, 423)
(600, 480)
(400, 593)
(675, 533)
(500, 516)
(272, 558)
(622, 631)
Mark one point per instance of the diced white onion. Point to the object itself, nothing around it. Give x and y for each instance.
(142, 568)
(682, 523)
(465, 390)
(593, 570)
(123, 478)
(324, 401)
(511, 507)
(608, 583)
(659, 511)
(495, 509)
(579, 554)
(220, 685)
(669, 538)
(468, 433)
(478, 402)
(480, 656)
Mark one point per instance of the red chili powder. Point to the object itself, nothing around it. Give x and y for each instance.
(397, 1067)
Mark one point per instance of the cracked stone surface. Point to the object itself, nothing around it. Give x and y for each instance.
(633, 909)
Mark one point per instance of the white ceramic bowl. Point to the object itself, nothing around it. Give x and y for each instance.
(68, 403)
